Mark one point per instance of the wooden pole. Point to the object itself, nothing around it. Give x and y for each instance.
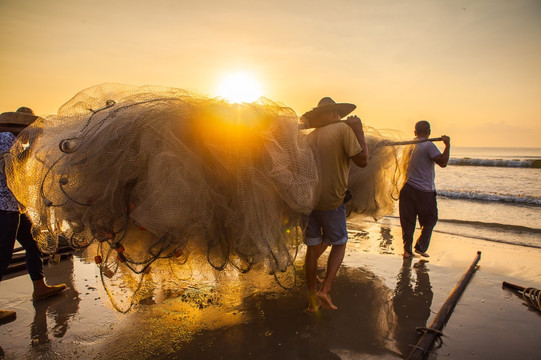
(531, 296)
(18, 261)
(409, 142)
(427, 339)
(513, 286)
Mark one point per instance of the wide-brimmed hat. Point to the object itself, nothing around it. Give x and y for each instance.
(328, 104)
(16, 121)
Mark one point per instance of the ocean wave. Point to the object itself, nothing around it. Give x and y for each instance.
(479, 196)
(515, 234)
(516, 163)
(494, 226)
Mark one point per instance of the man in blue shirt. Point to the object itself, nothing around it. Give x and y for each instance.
(418, 196)
(15, 225)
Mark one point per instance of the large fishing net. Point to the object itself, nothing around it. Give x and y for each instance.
(159, 183)
(375, 188)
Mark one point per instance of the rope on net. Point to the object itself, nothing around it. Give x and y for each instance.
(530, 295)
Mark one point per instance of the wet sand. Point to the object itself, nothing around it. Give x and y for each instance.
(381, 297)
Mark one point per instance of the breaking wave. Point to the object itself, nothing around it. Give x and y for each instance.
(515, 163)
(502, 198)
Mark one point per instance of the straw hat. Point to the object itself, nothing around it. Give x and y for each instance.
(16, 121)
(327, 104)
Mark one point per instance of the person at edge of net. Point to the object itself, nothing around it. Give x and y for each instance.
(418, 195)
(16, 225)
(336, 143)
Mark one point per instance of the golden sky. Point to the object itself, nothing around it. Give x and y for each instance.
(472, 68)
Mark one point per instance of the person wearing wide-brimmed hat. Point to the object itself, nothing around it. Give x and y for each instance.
(15, 225)
(16, 121)
(337, 142)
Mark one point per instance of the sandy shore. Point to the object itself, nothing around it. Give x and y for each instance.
(381, 298)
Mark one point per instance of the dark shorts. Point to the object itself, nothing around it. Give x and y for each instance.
(327, 226)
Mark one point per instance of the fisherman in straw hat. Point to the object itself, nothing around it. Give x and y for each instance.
(336, 142)
(15, 121)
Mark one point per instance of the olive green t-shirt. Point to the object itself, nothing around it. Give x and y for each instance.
(335, 144)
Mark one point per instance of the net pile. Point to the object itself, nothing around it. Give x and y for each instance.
(376, 187)
(143, 176)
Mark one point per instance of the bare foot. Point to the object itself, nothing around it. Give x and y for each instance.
(313, 304)
(325, 301)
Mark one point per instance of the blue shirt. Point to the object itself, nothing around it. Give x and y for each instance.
(8, 202)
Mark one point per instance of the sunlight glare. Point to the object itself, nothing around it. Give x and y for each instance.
(239, 87)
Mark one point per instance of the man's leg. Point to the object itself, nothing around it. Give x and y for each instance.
(408, 218)
(333, 264)
(314, 248)
(334, 233)
(323, 246)
(428, 216)
(9, 223)
(34, 264)
(313, 252)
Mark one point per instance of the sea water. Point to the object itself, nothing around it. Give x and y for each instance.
(492, 194)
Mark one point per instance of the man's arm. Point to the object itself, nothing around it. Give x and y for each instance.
(443, 159)
(361, 159)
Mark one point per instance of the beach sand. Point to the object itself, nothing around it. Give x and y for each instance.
(381, 297)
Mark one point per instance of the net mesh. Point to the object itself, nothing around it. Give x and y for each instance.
(375, 188)
(142, 176)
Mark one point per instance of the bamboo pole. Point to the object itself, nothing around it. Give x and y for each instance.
(409, 142)
(530, 295)
(427, 339)
(513, 286)
(18, 261)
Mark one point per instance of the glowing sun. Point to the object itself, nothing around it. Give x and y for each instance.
(239, 87)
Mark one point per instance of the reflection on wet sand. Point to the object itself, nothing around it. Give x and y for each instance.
(228, 316)
(60, 308)
(386, 242)
(233, 320)
(411, 303)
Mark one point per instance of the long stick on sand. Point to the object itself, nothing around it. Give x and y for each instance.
(409, 142)
(530, 295)
(426, 341)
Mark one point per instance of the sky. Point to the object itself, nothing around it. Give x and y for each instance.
(472, 68)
